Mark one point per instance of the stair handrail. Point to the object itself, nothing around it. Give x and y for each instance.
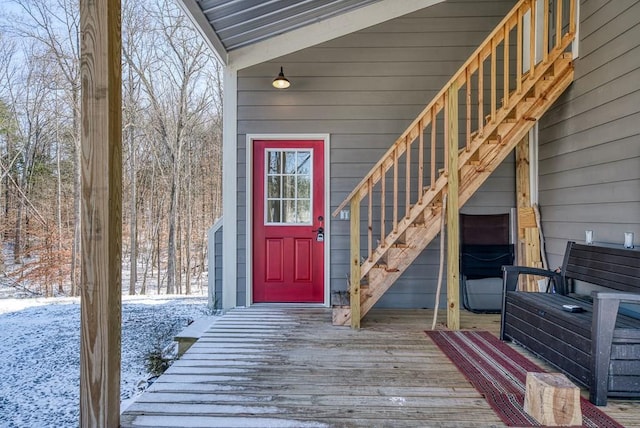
(461, 76)
(518, 103)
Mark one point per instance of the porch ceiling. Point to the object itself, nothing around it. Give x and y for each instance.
(246, 32)
(240, 23)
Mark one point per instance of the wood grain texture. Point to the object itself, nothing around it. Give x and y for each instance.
(453, 216)
(526, 216)
(354, 277)
(552, 399)
(304, 371)
(101, 126)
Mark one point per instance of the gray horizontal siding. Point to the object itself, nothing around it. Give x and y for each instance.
(589, 142)
(217, 273)
(364, 89)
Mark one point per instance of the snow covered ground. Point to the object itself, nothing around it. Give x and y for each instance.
(40, 352)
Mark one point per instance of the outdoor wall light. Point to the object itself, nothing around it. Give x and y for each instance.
(588, 237)
(281, 82)
(628, 240)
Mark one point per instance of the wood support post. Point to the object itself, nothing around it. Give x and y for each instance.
(354, 281)
(523, 190)
(528, 233)
(101, 219)
(453, 220)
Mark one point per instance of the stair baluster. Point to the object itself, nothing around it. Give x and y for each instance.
(526, 95)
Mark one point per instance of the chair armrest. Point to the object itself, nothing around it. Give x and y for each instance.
(511, 274)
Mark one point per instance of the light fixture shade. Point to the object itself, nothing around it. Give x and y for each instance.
(281, 82)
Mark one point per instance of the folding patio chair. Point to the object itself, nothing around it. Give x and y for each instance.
(484, 248)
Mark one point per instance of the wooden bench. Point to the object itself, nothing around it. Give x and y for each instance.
(599, 347)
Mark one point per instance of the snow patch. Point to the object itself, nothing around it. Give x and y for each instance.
(40, 353)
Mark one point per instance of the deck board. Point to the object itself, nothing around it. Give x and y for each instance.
(275, 366)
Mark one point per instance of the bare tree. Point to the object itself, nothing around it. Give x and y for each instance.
(55, 25)
(171, 136)
(134, 22)
(178, 100)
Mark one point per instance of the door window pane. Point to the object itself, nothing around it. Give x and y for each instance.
(273, 187)
(304, 211)
(289, 211)
(273, 211)
(304, 187)
(274, 162)
(304, 163)
(290, 162)
(288, 186)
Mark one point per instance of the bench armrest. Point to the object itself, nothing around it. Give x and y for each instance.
(511, 274)
(616, 295)
(603, 324)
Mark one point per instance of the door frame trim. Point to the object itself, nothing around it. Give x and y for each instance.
(250, 138)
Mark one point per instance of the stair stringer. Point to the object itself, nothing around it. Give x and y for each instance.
(382, 278)
(558, 64)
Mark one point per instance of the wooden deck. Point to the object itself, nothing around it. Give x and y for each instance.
(289, 367)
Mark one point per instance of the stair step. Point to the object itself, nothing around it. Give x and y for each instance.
(524, 106)
(435, 208)
(400, 245)
(392, 255)
(419, 221)
(485, 149)
(505, 127)
(474, 157)
(490, 146)
(469, 170)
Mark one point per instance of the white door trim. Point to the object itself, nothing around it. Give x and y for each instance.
(229, 189)
(249, 208)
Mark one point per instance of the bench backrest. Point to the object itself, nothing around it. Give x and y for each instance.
(615, 268)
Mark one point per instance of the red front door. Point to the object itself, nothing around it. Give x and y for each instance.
(288, 223)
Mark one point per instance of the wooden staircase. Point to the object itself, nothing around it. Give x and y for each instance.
(399, 203)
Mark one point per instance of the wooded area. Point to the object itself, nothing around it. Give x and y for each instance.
(172, 146)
